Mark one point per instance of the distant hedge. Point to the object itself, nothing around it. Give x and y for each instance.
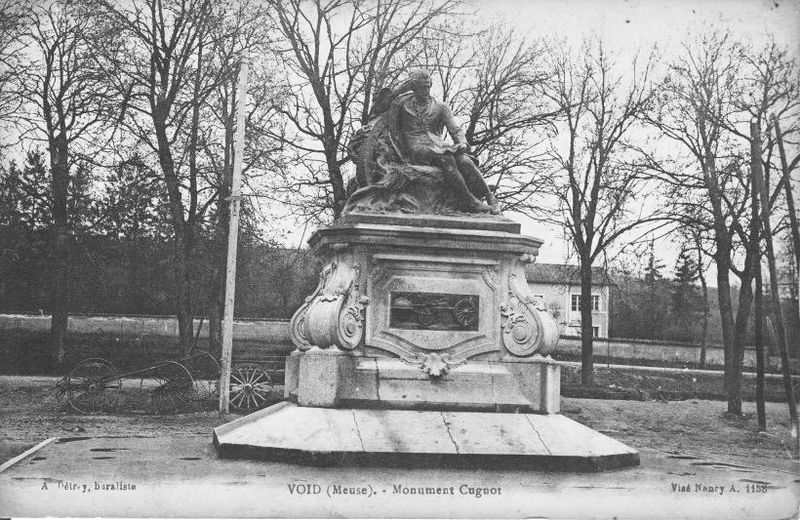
(112, 276)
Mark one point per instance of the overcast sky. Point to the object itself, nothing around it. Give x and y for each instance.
(635, 24)
(626, 26)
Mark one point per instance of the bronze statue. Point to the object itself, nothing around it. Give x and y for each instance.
(404, 164)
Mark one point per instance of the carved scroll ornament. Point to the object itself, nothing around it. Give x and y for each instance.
(333, 316)
(526, 330)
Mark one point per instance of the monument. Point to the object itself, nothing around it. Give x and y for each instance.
(422, 343)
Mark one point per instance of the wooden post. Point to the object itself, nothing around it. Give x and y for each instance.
(755, 134)
(233, 240)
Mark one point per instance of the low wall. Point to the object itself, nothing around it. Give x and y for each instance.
(267, 331)
(664, 352)
(276, 332)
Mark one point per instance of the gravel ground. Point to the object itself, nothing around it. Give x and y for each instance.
(30, 413)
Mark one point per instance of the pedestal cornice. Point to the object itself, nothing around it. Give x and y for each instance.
(409, 235)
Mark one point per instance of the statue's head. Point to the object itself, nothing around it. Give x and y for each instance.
(420, 82)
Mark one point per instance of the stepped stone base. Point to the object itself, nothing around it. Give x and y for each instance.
(410, 438)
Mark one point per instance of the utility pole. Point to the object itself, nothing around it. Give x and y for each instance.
(233, 240)
(755, 136)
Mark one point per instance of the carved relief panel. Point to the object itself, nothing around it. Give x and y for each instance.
(421, 305)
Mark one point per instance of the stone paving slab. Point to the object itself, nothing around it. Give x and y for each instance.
(328, 436)
(183, 477)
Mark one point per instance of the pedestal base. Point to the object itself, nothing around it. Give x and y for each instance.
(330, 379)
(407, 438)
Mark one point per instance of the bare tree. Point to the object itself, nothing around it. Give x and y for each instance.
(165, 59)
(65, 106)
(12, 64)
(336, 54)
(786, 170)
(506, 107)
(597, 175)
(711, 92)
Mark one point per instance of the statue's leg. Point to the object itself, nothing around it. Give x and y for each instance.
(459, 186)
(475, 181)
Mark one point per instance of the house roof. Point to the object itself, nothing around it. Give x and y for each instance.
(563, 274)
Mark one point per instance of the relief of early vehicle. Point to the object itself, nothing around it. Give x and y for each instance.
(430, 310)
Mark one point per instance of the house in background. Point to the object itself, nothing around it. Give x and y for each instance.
(558, 287)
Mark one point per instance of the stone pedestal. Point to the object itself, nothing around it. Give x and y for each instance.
(418, 315)
(334, 379)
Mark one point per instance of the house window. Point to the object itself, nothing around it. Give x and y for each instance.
(595, 332)
(576, 302)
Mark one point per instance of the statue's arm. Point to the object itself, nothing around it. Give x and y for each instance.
(453, 129)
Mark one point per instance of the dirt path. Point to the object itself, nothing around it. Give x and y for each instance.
(29, 413)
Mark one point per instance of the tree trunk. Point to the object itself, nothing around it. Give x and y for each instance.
(134, 254)
(58, 311)
(337, 182)
(59, 259)
(732, 386)
(587, 339)
(780, 331)
(759, 319)
(216, 307)
(706, 313)
(786, 179)
(184, 233)
(743, 312)
(215, 311)
(722, 256)
(185, 310)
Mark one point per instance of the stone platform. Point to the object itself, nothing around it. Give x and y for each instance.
(409, 438)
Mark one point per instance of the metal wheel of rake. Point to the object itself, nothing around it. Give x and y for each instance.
(174, 390)
(205, 371)
(92, 386)
(250, 388)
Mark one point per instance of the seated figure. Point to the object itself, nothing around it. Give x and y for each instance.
(404, 164)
